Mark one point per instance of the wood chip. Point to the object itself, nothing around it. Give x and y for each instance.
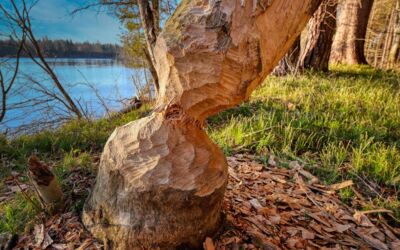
(255, 204)
(342, 228)
(271, 161)
(209, 244)
(341, 185)
(362, 219)
(39, 234)
(371, 241)
(307, 235)
(47, 241)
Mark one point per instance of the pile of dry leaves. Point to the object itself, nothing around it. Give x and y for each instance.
(65, 231)
(277, 208)
(266, 207)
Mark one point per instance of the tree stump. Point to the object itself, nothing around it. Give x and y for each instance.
(46, 184)
(161, 180)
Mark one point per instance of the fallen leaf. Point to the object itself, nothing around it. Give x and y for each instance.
(373, 242)
(85, 245)
(233, 174)
(209, 244)
(276, 219)
(261, 239)
(389, 233)
(292, 231)
(337, 247)
(291, 106)
(362, 219)
(292, 242)
(316, 217)
(316, 227)
(307, 235)
(271, 161)
(47, 241)
(39, 234)
(395, 245)
(60, 246)
(278, 179)
(255, 204)
(342, 228)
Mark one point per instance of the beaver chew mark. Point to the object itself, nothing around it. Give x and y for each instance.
(39, 171)
(175, 112)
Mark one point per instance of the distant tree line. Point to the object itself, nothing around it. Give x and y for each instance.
(62, 49)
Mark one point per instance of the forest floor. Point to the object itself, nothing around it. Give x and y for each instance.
(314, 162)
(266, 206)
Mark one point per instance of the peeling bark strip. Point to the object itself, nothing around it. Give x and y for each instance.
(161, 180)
(44, 181)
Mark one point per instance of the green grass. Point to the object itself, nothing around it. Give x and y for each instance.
(343, 124)
(17, 215)
(74, 136)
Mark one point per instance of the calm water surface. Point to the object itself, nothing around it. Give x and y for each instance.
(112, 80)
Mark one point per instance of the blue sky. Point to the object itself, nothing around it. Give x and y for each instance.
(52, 18)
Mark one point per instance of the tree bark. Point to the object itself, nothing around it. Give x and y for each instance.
(317, 46)
(288, 64)
(161, 180)
(5, 87)
(349, 41)
(395, 48)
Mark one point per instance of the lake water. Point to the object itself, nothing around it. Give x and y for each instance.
(111, 79)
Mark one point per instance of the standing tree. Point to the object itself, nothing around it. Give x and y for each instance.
(395, 48)
(7, 84)
(288, 64)
(383, 36)
(317, 44)
(312, 49)
(394, 32)
(349, 41)
(161, 180)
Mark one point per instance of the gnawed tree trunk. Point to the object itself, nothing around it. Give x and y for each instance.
(45, 182)
(349, 41)
(161, 180)
(316, 48)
